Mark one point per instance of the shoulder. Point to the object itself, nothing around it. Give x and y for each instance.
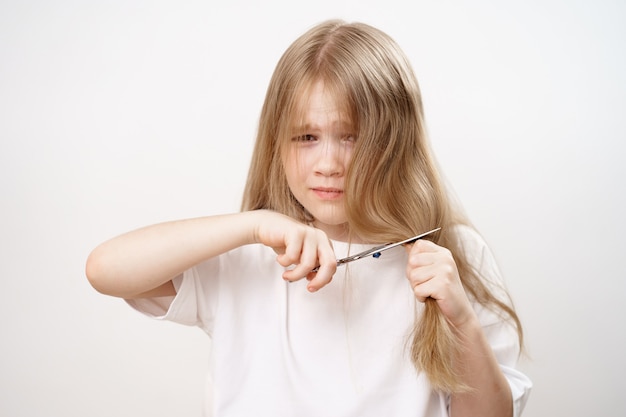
(479, 256)
(473, 245)
(468, 236)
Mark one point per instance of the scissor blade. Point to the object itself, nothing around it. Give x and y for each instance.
(409, 240)
(380, 248)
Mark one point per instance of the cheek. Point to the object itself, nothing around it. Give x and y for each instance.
(348, 157)
(345, 153)
(292, 168)
(294, 165)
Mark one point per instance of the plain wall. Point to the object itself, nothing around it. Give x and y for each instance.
(118, 114)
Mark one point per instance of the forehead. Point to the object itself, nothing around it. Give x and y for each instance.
(319, 104)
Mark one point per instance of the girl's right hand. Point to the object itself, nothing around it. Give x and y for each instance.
(298, 245)
(140, 262)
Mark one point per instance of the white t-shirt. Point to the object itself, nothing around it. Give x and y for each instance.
(278, 350)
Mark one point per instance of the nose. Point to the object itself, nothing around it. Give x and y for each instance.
(331, 159)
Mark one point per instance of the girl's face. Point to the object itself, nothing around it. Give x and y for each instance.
(316, 160)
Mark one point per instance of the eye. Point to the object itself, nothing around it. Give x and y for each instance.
(349, 137)
(304, 138)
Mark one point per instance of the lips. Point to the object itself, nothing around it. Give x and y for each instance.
(326, 193)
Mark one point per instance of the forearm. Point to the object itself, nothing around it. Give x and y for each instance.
(491, 394)
(144, 259)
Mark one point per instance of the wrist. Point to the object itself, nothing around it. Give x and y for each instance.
(252, 220)
(468, 325)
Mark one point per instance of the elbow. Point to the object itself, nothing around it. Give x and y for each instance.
(95, 270)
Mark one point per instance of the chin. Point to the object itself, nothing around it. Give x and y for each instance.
(329, 217)
(331, 223)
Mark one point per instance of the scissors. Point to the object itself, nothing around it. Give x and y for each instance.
(375, 251)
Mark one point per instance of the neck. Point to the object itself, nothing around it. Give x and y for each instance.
(339, 232)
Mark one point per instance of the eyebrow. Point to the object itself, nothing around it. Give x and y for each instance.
(339, 125)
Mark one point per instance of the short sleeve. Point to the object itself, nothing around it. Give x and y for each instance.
(195, 301)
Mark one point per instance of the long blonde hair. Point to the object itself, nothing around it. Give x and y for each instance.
(393, 189)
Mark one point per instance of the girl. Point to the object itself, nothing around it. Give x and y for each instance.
(341, 163)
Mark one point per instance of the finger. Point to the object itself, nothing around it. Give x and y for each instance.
(429, 281)
(322, 277)
(417, 276)
(424, 245)
(441, 276)
(424, 265)
(315, 247)
(451, 300)
(307, 260)
(427, 291)
(327, 267)
(293, 247)
(421, 293)
(279, 251)
(424, 253)
(419, 260)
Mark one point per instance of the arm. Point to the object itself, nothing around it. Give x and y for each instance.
(143, 262)
(432, 273)
(481, 371)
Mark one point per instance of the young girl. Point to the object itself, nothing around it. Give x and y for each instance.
(341, 164)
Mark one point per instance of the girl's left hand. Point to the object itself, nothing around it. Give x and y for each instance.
(432, 272)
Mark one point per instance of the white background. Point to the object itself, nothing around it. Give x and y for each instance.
(118, 114)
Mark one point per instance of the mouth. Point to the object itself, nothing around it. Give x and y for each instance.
(327, 193)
